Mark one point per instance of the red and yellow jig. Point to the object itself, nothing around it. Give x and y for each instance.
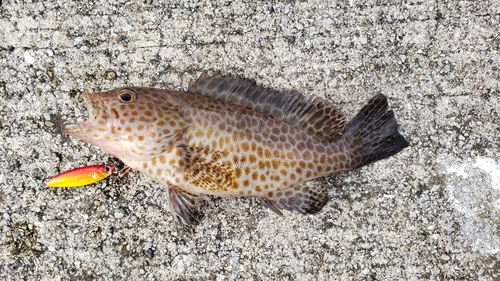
(81, 176)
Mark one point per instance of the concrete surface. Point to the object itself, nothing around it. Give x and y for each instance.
(430, 213)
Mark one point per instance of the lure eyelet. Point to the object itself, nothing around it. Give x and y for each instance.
(107, 168)
(126, 96)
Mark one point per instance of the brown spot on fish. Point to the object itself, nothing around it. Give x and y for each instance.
(162, 159)
(252, 158)
(245, 146)
(117, 115)
(238, 172)
(307, 155)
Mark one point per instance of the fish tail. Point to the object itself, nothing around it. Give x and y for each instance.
(373, 134)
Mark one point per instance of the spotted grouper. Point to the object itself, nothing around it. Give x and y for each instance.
(228, 136)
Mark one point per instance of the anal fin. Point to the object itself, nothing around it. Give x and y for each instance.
(308, 198)
(183, 205)
(271, 205)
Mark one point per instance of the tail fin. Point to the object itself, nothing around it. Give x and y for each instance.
(373, 133)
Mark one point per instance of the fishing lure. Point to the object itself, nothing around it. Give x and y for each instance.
(81, 176)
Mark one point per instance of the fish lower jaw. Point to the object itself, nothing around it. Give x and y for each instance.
(76, 127)
(72, 129)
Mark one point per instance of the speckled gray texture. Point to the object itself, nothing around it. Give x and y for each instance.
(430, 213)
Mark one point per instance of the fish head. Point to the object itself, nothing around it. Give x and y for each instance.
(123, 122)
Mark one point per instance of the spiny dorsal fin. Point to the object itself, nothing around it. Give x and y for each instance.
(310, 113)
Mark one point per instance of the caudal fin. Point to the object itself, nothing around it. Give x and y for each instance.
(373, 133)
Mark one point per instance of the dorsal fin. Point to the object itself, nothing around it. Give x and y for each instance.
(310, 113)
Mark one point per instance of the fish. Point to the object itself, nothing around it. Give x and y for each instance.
(229, 136)
(81, 176)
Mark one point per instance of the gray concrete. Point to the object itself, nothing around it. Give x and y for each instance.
(430, 213)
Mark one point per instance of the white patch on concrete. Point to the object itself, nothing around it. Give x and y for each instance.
(493, 168)
(473, 187)
(29, 58)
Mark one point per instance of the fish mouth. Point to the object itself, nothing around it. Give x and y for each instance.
(96, 111)
(75, 129)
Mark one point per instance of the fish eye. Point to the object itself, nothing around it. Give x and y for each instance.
(126, 96)
(107, 169)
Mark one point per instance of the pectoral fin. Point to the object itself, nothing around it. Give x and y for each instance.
(207, 169)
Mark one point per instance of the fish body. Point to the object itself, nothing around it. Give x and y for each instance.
(227, 136)
(81, 176)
